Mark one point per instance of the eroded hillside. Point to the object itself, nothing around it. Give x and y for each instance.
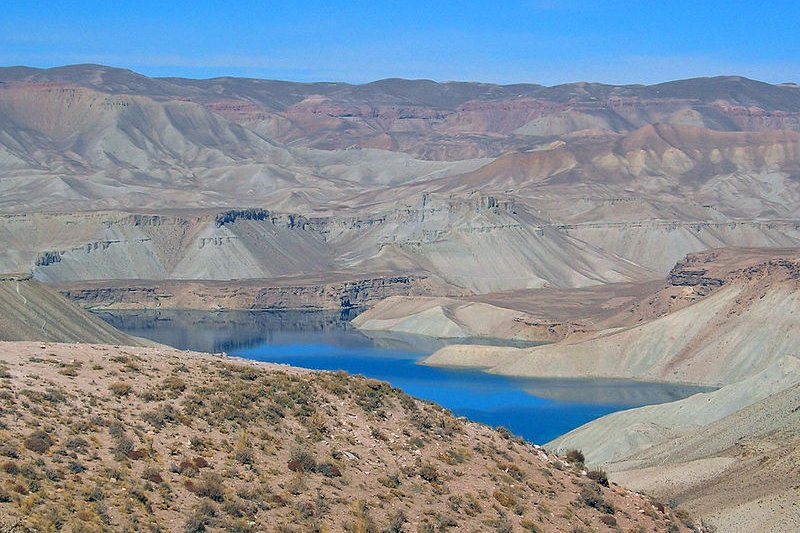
(477, 188)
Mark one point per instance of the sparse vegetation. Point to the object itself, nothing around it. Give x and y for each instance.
(250, 449)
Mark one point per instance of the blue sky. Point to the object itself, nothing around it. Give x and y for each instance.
(541, 41)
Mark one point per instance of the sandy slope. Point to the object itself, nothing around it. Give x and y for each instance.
(32, 311)
(447, 318)
(730, 455)
(718, 339)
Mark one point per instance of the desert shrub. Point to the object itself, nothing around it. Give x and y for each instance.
(10, 467)
(575, 457)
(396, 523)
(159, 417)
(532, 527)
(196, 523)
(302, 461)
(38, 441)
(187, 468)
(504, 498)
(77, 444)
(362, 522)
(55, 396)
(120, 389)
(153, 475)
(210, 486)
(244, 455)
(592, 496)
(76, 468)
(504, 432)
(390, 481)
(174, 383)
(429, 473)
(328, 470)
(454, 456)
(123, 447)
(599, 476)
(9, 450)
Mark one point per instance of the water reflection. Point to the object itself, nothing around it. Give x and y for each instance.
(537, 409)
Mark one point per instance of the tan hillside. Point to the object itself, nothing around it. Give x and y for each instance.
(448, 318)
(719, 338)
(32, 311)
(96, 438)
(109, 175)
(729, 456)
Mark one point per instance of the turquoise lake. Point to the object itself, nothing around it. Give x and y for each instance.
(536, 409)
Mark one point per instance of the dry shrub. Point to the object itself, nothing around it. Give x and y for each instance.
(575, 457)
(38, 441)
(120, 389)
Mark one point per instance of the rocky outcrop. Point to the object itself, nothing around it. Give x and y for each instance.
(254, 294)
(715, 338)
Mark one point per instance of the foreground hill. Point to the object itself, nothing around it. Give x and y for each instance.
(726, 317)
(730, 456)
(95, 438)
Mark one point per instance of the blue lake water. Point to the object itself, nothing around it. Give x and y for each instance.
(536, 409)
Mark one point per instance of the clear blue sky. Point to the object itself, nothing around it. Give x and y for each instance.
(542, 41)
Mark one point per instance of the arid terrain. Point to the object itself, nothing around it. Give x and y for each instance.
(99, 437)
(468, 188)
(644, 232)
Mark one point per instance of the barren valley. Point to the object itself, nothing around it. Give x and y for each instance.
(643, 232)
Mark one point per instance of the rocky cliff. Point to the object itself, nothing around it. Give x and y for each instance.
(715, 337)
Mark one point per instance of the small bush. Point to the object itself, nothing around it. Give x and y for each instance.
(152, 475)
(599, 476)
(120, 389)
(175, 384)
(608, 520)
(76, 468)
(244, 454)
(38, 441)
(429, 473)
(575, 457)
(328, 470)
(302, 461)
(504, 498)
(592, 496)
(210, 486)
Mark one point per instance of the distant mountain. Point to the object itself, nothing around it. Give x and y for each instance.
(484, 187)
(422, 117)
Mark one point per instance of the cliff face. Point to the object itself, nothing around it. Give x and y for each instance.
(713, 336)
(244, 294)
(472, 243)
